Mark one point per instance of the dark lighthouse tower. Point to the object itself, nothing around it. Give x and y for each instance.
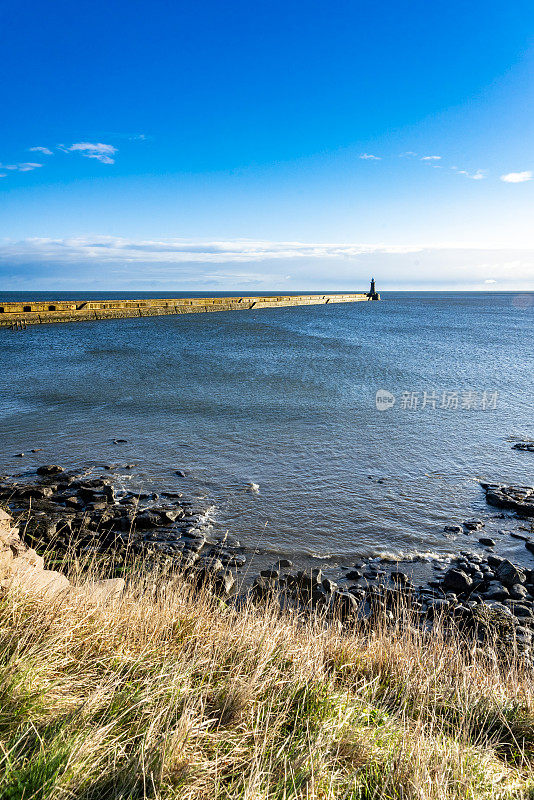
(372, 294)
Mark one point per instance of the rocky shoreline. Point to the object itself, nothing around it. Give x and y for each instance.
(484, 595)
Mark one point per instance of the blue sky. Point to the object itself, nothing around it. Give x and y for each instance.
(274, 145)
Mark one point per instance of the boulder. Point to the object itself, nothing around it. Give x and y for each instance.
(50, 469)
(457, 581)
(496, 591)
(453, 529)
(473, 524)
(345, 603)
(518, 591)
(516, 498)
(508, 574)
(21, 568)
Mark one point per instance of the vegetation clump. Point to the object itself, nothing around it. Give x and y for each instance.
(167, 692)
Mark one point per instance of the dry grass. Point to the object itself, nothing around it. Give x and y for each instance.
(169, 694)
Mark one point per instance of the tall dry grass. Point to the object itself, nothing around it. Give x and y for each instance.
(169, 693)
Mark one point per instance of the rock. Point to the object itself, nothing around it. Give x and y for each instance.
(310, 579)
(496, 591)
(354, 574)
(120, 441)
(168, 516)
(524, 537)
(22, 569)
(508, 574)
(457, 581)
(345, 603)
(530, 545)
(147, 520)
(283, 563)
(181, 473)
(473, 525)
(518, 591)
(328, 585)
(400, 578)
(529, 446)
(273, 574)
(486, 541)
(263, 587)
(50, 469)
(74, 502)
(516, 498)
(437, 606)
(453, 528)
(213, 564)
(522, 611)
(224, 583)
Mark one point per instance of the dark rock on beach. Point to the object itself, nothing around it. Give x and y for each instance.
(515, 498)
(49, 469)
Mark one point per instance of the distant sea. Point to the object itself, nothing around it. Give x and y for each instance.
(286, 399)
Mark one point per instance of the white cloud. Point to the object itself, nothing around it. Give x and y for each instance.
(109, 248)
(431, 158)
(44, 150)
(3, 174)
(407, 154)
(517, 177)
(478, 175)
(490, 280)
(177, 264)
(26, 166)
(102, 152)
(370, 157)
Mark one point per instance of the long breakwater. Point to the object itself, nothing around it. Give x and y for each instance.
(21, 314)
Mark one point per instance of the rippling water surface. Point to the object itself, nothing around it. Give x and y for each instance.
(285, 398)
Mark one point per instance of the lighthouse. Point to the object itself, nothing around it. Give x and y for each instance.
(372, 294)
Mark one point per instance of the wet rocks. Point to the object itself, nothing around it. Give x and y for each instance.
(50, 469)
(354, 574)
(515, 498)
(80, 512)
(345, 604)
(528, 446)
(456, 580)
(508, 574)
(473, 525)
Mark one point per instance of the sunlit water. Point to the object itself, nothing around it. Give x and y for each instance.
(285, 399)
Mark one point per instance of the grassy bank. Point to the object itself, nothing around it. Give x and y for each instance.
(168, 694)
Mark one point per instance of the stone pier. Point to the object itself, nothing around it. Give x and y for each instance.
(19, 315)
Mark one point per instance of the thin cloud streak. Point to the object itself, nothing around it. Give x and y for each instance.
(102, 152)
(44, 150)
(26, 166)
(111, 249)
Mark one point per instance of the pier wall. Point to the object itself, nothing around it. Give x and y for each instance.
(49, 311)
